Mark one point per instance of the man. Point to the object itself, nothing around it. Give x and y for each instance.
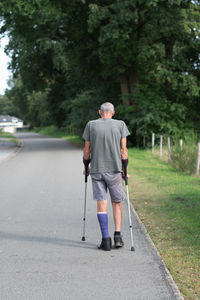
(105, 146)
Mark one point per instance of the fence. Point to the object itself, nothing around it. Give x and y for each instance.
(197, 169)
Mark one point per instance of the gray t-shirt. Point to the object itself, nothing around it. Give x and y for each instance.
(105, 137)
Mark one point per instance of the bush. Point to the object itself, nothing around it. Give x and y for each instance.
(185, 159)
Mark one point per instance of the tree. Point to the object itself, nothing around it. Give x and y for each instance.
(149, 48)
(18, 97)
(38, 114)
(145, 37)
(6, 106)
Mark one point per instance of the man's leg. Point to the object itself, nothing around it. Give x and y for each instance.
(114, 183)
(103, 222)
(100, 195)
(102, 206)
(117, 215)
(102, 216)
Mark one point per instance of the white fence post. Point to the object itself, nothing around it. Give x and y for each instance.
(153, 142)
(181, 144)
(198, 160)
(161, 145)
(169, 149)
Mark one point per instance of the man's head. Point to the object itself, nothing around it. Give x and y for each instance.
(107, 110)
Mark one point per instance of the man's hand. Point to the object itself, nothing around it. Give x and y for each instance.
(88, 171)
(123, 176)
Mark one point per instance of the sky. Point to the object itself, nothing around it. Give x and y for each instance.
(4, 60)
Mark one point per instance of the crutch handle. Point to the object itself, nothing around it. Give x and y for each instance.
(86, 163)
(125, 164)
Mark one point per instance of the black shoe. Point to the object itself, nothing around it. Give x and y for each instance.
(118, 241)
(106, 244)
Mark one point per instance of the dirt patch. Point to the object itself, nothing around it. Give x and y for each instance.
(179, 199)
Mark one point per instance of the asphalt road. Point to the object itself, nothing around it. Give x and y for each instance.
(42, 256)
(7, 149)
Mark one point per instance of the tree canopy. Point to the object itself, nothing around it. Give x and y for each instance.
(70, 56)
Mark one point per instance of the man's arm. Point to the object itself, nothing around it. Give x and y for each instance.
(86, 158)
(124, 150)
(86, 150)
(124, 156)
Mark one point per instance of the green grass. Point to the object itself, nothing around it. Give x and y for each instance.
(168, 203)
(8, 135)
(55, 132)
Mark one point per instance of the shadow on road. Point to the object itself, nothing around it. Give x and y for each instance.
(47, 240)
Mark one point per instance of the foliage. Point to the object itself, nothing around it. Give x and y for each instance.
(85, 106)
(18, 97)
(38, 113)
(152, 112)
(62, 51)
(6, 106)
(116, 25)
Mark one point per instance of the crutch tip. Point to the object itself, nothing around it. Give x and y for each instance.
(83, 238)
(132, 248)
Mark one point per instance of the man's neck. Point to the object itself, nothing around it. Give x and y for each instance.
(106, 116)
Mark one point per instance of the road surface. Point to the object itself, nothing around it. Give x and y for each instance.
(42, 256)
(7, 148)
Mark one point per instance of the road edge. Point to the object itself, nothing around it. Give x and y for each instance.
(16, 150)
(169, 279)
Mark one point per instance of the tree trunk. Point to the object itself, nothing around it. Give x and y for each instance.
(133, 80)
(124, 89)
(128, 84)
(169, 47)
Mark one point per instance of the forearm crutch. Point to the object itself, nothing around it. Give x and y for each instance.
(86, 163)
(125, 164)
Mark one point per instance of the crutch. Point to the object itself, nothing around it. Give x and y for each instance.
(124, 164)
(86, 163)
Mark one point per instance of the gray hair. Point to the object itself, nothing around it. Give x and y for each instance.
(107, 107)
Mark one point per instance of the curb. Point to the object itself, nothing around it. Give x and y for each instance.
(168, 277)
(17, 149)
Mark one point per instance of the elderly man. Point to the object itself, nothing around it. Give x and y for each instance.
(105, 146)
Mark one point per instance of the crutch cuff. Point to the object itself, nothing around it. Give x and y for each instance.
(124, 170)
(125, 162)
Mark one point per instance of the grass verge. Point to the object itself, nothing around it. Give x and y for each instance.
(7, 135)
(168, 203)
(59, 133)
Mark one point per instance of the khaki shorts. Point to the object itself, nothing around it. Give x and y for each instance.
(111, 181)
